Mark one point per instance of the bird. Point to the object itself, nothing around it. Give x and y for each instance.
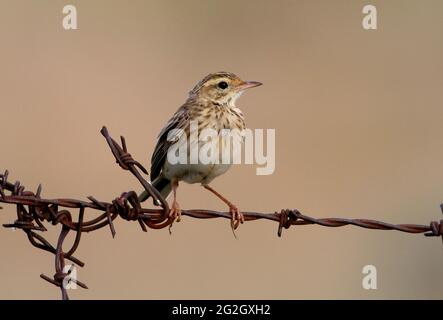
(211, 104)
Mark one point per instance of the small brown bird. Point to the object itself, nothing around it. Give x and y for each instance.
(211, 104)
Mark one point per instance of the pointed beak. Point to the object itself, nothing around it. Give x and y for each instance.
(249, 84)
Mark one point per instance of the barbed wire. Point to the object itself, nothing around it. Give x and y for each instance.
(32, 211)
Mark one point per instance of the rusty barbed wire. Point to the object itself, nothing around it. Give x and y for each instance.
(32, 210)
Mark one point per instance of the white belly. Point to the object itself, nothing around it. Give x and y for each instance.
(198, 172)
(194, 173)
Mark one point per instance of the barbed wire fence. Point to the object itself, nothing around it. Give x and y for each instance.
(33, 211)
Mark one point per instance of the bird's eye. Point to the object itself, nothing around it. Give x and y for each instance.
(222, 85)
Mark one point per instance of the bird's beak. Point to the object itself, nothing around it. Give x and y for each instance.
(249, 84)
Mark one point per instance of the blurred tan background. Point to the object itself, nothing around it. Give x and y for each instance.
(358, 118)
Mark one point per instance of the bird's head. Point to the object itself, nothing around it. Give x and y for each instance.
(222, 88)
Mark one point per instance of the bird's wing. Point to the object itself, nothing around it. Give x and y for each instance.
(180, 120)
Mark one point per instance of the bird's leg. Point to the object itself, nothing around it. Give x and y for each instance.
(175, 210)
(236, 216)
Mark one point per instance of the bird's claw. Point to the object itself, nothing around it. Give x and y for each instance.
(236, 218)
(175, 211)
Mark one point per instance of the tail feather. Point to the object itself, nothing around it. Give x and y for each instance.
(163, 185)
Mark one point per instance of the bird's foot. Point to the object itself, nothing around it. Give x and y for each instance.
(236, 218)
(175, 211)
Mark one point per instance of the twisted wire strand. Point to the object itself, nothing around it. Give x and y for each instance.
(32, 211)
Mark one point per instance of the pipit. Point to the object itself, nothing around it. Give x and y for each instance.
(211, 104)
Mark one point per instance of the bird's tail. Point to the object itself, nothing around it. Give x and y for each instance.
(163, 185)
